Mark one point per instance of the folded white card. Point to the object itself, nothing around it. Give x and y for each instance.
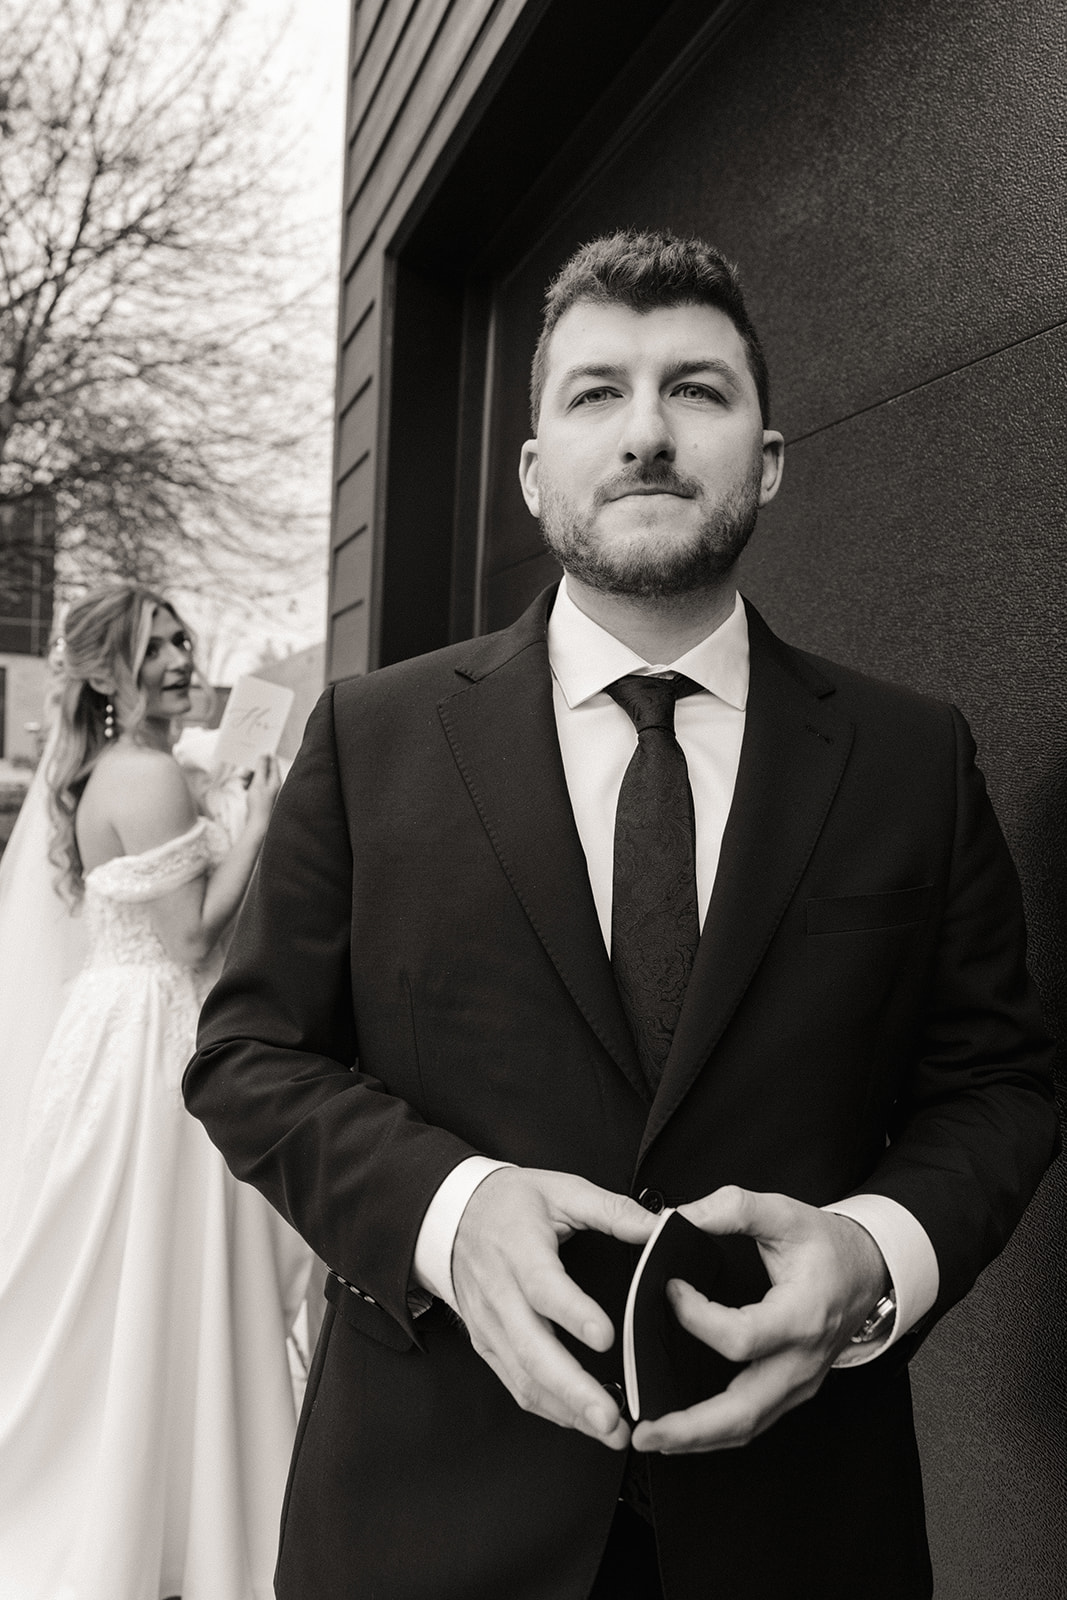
(252, 723)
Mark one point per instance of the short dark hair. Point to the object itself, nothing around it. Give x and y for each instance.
(646, 271)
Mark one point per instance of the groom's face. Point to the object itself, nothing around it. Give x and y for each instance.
(651, 460)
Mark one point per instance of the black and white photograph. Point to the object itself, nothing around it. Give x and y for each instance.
(533, 800)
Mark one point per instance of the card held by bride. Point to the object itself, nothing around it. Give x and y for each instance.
(252, 723)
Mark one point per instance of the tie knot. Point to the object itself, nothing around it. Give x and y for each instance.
(648, 701)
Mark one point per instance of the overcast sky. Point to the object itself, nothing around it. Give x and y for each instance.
(316, 49)
(311, 66)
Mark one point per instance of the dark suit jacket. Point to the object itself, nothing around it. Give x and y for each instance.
(859, 1018)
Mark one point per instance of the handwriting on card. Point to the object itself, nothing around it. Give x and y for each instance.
(252, 722)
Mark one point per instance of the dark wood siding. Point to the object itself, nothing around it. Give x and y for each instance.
(414, 65)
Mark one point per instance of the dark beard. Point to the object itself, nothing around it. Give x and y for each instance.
(651, 573)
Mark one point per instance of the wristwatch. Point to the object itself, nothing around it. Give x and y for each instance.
(879, 1321)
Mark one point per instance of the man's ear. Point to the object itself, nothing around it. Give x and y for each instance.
(529, 462)
(773, 465)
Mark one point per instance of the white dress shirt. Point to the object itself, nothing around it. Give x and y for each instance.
(597, 739)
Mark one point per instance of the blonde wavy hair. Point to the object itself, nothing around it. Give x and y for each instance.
(104, 637)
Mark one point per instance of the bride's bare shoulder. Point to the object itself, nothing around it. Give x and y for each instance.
(137, 772)
(136, 798)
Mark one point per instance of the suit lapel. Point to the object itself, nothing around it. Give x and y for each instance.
(502, 729)
(795, 749)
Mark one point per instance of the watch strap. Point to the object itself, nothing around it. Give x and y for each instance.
(879, 1321)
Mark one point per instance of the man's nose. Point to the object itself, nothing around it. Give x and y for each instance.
(646, 434)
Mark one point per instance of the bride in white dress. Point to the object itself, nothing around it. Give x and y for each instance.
(146, 1408)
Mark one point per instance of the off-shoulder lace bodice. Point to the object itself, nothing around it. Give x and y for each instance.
(118, 894)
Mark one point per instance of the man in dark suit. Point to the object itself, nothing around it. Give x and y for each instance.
(495, 999)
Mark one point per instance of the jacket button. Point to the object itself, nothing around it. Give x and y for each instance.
(652, 1200)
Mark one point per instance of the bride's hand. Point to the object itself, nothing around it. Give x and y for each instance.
(263, 788)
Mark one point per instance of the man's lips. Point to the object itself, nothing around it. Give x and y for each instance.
(643, 491)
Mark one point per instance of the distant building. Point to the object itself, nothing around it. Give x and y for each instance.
(27, 575)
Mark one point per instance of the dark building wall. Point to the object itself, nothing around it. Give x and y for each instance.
(890, 178)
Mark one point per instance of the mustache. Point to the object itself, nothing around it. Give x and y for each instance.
(662, 478)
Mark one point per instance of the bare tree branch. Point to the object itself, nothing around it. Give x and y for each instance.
(164, 343)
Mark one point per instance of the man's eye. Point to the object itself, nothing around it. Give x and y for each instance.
(593, 397)
(696, 391)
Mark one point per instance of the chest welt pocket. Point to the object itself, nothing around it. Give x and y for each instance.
(864, 913)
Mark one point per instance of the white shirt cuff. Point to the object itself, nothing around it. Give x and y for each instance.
(432, 1265)
(910, 1261)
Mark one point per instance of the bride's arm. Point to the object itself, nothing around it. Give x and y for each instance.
(158, 807)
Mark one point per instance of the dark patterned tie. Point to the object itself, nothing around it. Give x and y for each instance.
(654, 921)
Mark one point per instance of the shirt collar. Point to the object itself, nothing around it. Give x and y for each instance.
(585, 658)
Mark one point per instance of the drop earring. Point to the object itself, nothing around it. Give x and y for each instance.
(109, 719)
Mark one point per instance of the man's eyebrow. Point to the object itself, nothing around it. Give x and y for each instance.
(703, 364)
(589, 369)
(689, 367)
